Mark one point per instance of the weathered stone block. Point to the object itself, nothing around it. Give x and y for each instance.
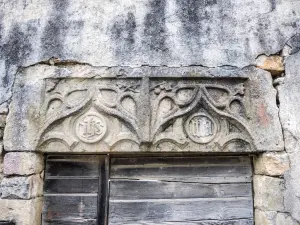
(272, 164)
(23, 163)
(264, 218)
(23, 212)
(1, 132)
(1, 147)
(294, 43)
(273, 64)
(2, 120)
(268, 192)
(289, 95)
(22, 187)
(273, 218)
(4, 108)
(285, 219)
(1, 164)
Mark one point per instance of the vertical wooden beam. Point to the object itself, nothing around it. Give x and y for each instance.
(103, 193)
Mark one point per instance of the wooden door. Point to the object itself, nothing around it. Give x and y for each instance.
(181, 190)
(75, 190)
(210, 190)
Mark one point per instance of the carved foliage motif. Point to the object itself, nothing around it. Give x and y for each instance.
(200, 111)
(169, 114)
(87, 108)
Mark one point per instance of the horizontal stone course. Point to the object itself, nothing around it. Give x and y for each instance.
(21, 187)
(22, 212)
(273, 218)
(272, 164)
(268, 192)
(23, 163)
(273, 64)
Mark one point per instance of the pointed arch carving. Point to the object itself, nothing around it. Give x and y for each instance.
(181, 114)
(204, 105)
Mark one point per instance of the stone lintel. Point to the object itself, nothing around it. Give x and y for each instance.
(123, 109)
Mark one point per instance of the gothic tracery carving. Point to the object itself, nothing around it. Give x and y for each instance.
(180, 114)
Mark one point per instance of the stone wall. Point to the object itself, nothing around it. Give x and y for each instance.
(21, 183)
(21, 188)
(87, 36)
(289, 94)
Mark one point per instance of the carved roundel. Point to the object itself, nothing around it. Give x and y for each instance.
(90, 127)
(201, 128)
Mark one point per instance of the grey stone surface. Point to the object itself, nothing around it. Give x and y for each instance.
(21, 187)
(289, 95)
(153, 32)
(294, 43)
(273, 218)
(272, 164)
(285, 218)
(2, 125)
(241, 104)
(1, 147)
(2, 120)
(23, 212)
(268, 192)
(23, 163)
(1, 166)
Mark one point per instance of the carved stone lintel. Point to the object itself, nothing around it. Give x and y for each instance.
(153, 113)
(143, 110)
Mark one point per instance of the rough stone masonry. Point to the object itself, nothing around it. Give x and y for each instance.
(60, 46)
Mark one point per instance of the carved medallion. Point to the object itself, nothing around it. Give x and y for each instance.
(90, 128)
(201, 128)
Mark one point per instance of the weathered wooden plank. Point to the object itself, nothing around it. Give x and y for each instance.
(211, 180)
(137, 189)
(69, 208)
(72, 168)
(181, 173)
(191, 169)
(193, 190)
(71, 185)
(71, 194)
(74, 222)
(7, 223)
(80, 158)
(157, 210)
(206, 222)
(148, 162)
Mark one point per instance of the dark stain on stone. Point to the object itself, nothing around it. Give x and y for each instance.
(15, 50)
(76, 26)
(130, 26)
(55, 30)
(123, 34)
(273, 4)
(1, 28)
(194, 12)
(210, 2)
(155, 27)
(263, 30)
(25, 3)
(189, 16)
(294, 43)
